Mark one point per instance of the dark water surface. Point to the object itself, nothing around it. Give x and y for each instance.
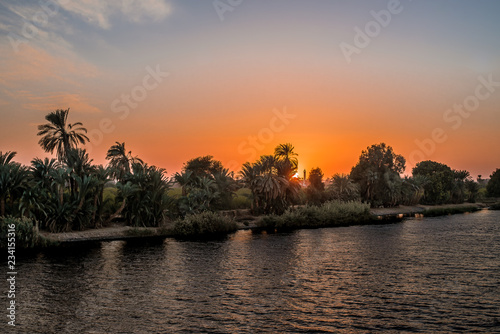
(422, 275)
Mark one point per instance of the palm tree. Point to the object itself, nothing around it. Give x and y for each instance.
(412, 189)
(184, 179)
(59, 136)
(343, 188)
(226, 186)
(121, 160)
(6, 158)
(286, 152)
(249, 173)
(126, 191)
(42, 169)
(101, 175)
(42, 187)
(13, 179)
(146, 206)
(79, 161)
(268, 186)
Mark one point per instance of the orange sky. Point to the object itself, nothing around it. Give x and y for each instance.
(229, 80)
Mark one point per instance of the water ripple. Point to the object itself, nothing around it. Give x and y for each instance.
(435, 275)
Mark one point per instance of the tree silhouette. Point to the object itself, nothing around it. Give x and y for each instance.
(59, 136)
(120, 160)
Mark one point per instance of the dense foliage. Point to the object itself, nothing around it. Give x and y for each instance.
(71, 193)
(434, 212)
(204, 224)
(26, 233)
(377, 175)
(144, 195)
(493, 186)
(442, 184)
(206, 185)
(316, 189)
(272, 180)
(342, 188)
(333, 213)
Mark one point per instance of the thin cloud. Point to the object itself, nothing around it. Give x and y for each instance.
(34, 64)
(99, 13)
(61, 100)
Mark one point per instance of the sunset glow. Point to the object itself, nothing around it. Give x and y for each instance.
(180, 79)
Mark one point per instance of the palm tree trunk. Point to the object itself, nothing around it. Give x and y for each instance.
(94, 214)
(80, 206)
(97, 209)
(2, 206)
(61, 194)
(117, 213)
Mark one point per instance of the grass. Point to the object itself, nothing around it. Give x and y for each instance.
(140, 232)
(434, 212)
(330, 214)
(205, 224)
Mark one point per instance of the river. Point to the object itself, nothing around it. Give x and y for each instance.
(422, 275)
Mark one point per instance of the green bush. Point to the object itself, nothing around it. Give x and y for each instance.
(204, 224)
(27, 235)
(333, 213)
(434, 212)
(495, 206)
(242, 199)
(175, 192)
(140, 232)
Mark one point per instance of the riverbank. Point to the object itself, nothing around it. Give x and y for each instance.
(417, 210)
(243, 219)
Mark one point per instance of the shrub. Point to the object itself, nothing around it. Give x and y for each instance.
(27, 235)
(434, 212)
(495, 206)
(242, 199)
(140, 232)
(204, 224)
(333, 213)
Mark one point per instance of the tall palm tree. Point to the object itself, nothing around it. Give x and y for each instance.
(286, 153)
(6, 158)
(121, 160)
(101, 175)
(249, 174)
(60, 136)
(269, 188)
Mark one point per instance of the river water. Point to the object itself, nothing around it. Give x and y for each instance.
(422, 275)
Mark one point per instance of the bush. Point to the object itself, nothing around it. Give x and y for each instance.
(140, 232)
(242, 199)
(204, 224)
(333, 213)
(449, 211)
(495, 206)
(27, 235)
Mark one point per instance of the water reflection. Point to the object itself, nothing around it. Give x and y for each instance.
(429, 275)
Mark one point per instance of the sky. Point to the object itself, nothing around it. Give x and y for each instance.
(177, 79)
